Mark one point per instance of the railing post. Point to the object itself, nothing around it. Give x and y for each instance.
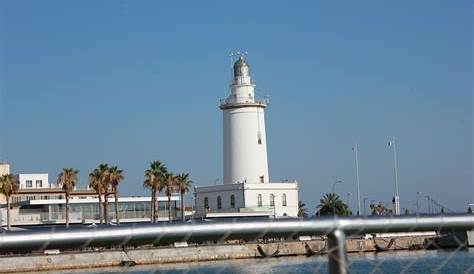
(337, 253)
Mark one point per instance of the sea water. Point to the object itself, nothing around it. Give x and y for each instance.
(431, 261)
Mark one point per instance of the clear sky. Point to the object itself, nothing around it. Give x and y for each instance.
(127, 82)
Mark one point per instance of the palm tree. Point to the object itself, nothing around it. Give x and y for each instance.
(68, 178)
(302, 212)
(8, 187)
(169, 188)
(104, 172)
(183, 184)
(331, 204)
(154, 178)
(96, 184)
(116, 176)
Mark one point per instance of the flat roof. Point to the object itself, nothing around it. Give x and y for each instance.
(238, 214)
(96, 200)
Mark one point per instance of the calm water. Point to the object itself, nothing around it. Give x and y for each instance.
(385, 262)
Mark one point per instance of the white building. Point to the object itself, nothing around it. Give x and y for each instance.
(40, 207)
(247, 190)
(33, 181)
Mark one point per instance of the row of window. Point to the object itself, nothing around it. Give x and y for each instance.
(232, 201)
(219, 202)
(272, 200)
(29, 183)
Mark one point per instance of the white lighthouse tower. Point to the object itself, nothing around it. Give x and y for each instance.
(247, 190)
(244, 138)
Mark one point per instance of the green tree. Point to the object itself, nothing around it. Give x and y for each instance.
(68, 179)
(469, 210)
(331, 204)
(115, 177)
(169, 189)
(154, 181)
(183, 184)
(302, 211)
(8, 187)
(96, 184)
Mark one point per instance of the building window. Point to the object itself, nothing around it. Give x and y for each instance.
(272, 200)
(262, 179)
(29, 183)
(206, 203)
(259, 200)
(259, 138)
(232, 201)
(39, 183)
(283, 199)
(219, 202)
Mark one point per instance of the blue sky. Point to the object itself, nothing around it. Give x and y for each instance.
(127, 82)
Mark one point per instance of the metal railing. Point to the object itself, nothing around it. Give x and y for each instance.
(138, 234)
(245, 100)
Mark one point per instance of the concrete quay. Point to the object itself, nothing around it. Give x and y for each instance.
(163, 255)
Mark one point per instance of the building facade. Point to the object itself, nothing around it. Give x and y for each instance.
(85, 210)
(247, 189)
(33, 181)
(38, 202)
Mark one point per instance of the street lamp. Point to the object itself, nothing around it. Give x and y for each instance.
(356, 150)
(365, 199)
(334, 185)
(429, 203)
(333, 191)
(348, 201)
(417, 203)
(393, 145)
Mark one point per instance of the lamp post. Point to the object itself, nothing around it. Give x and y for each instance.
(348, 201)
(417, 203)
(334, 191)
(356, 150)
(334, 185)
(393, 145)
(428, 203)
(365, 199)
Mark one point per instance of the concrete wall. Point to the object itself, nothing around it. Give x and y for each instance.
(187, 254)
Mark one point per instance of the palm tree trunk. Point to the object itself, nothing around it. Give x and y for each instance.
(8, 213)
(100, 206)
(157, 207)
(67, 210)
(169, 208)
(106, 201)
(116, 205)
(152, 206)
(182, 207)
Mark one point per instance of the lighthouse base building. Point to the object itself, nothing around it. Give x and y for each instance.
(247, 200)
(247, 190)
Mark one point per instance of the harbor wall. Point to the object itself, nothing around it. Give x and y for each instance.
(162, 255)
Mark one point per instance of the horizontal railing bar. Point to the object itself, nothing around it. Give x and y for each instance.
(164, 233)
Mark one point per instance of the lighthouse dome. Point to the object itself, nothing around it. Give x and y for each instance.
(241, 68)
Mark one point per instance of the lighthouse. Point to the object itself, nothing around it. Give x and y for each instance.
(247, 190)
(244, 137)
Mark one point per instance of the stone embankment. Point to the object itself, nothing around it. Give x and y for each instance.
(162, 255)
